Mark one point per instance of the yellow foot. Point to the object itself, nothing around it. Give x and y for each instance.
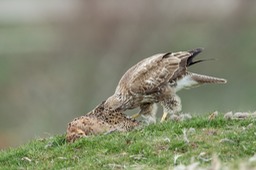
(164, 117)
(135, 116)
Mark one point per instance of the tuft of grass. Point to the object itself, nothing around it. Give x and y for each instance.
(157, 146)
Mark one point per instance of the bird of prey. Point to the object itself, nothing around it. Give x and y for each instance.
(99, 121)
(157, 79)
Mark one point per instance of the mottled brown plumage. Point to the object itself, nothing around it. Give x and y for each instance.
(157, 79)
(98, 121)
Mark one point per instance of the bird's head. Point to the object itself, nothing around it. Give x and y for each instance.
(113, 102)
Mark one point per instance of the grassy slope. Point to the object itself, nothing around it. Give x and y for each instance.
(152, 147)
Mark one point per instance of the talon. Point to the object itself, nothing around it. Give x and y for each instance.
(135, 116)
(164, 117)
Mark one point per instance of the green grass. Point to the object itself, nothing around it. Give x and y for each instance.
(152, 147)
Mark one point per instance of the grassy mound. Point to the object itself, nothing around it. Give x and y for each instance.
(158, 146)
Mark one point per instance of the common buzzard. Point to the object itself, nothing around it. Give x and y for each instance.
(157, 79)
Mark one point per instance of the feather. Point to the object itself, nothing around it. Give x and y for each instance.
(157, 79)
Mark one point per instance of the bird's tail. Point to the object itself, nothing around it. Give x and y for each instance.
(194, 53)
(203, 79)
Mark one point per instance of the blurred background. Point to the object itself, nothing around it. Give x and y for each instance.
(60, 58)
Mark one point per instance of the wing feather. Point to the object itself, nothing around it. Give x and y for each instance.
(146, 76)
(149, 74)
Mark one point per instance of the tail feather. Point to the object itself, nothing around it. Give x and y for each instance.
(202, 79)
(194, 53)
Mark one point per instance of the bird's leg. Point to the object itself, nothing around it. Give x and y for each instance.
(164, 116)
(143, 108)
(148, 111)
(136, 115)
(171, 105)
